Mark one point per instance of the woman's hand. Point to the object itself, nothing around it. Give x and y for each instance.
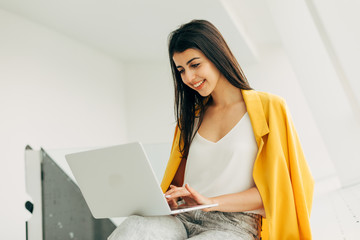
(247, 200)
(189, 195)
(173, 202)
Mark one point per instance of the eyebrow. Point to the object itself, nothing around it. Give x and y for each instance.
(189, 61)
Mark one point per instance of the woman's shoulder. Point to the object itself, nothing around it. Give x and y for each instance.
(268, 98)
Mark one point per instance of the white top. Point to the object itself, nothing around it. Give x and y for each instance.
(223, 167)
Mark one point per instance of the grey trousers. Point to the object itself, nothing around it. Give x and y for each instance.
(196, 225)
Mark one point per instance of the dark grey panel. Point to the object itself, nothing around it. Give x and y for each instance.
(65, 212)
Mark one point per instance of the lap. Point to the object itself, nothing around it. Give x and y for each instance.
(160, 227)
(216, 235)
(221, 225)
(196, 225)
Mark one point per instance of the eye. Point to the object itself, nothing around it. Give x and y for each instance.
(181, 71)
(195, 65)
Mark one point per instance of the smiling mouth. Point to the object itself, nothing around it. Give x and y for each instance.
(198, 84)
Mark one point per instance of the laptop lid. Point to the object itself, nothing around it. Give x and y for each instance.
(118, 181)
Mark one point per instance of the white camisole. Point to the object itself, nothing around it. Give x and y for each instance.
(223, 167)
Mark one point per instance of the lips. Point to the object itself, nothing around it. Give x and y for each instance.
(199, 84)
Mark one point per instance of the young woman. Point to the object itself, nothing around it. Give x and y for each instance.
(232, 146)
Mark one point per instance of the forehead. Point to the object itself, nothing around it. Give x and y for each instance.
(181, 58)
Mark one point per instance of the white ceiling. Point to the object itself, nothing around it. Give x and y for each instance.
(137, 30)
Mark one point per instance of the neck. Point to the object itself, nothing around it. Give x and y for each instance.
(225, 94)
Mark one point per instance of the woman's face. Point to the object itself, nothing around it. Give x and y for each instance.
(197, 71)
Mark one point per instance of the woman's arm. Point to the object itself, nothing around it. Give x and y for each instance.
(239, 202)
(236, 202)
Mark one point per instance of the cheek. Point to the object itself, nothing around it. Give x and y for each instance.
(215, 74)
(184, 82)
(208, 72)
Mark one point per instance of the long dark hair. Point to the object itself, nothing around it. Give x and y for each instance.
(189, 104)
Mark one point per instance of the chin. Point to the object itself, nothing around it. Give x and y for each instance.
(204, 94)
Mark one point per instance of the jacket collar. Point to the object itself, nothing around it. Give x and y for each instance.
(256, 113)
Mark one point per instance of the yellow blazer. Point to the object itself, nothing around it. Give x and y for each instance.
(280, 172)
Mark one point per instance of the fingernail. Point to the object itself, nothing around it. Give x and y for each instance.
(168, 196)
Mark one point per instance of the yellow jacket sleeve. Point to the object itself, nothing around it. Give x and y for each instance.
(282, 176)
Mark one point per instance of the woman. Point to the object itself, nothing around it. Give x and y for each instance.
(234, 146)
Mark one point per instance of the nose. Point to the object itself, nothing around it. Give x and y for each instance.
(189, 76)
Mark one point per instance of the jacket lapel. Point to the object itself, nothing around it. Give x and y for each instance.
(257, 116)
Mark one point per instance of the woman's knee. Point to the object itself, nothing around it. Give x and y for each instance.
(137, 227)
(126, 228)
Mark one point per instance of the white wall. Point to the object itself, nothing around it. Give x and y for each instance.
(56, 93)
(149, 101)
(320, 76)
(341, 23)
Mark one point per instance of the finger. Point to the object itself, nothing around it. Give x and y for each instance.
(180, 192)
(190, 201)
(200, 199)
(172, 203)
(194, 193)
(169, 199)
(169, 192)
(173, 188)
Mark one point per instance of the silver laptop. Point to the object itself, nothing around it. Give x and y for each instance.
(119, 181)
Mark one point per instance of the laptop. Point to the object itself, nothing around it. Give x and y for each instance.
(118, 181)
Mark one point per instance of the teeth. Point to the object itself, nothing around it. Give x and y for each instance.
(198, 84)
